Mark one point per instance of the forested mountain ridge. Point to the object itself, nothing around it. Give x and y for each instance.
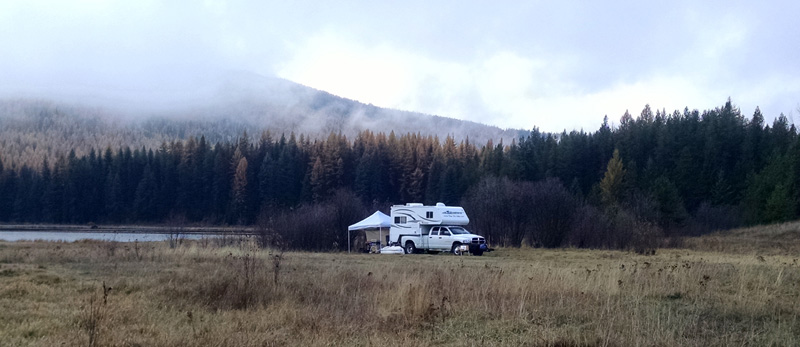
(657, 174)
(220, 109)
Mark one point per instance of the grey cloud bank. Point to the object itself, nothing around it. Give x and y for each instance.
(512, 64)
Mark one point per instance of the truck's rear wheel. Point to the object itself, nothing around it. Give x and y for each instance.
(410, 247)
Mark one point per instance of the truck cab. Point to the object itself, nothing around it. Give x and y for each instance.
(451, 237)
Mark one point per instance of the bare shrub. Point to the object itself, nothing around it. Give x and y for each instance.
(91, 321)
(175, 238)
(175, 230)
(642, 207)
(508, 212)
(318, 226)
(277, 259)
(94, 314)
(637, 234)
(552, 209)
(498, 210)
(136, 250)
(265, 232)
(229, 240)
(590, 228)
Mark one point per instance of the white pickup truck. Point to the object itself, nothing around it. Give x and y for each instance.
(416, 228)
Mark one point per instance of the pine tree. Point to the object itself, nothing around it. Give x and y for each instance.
(189, 180)
(27, 206)
(318, 180)
(435, 175)
(612, 184)
(114, 198)
(54, 196)
(220, 189)
(752, 151)
(267, 179)
(769, 193)
(146, 203)
(670, 206)
(239, 193)
(414, 185)
(780, 206)
(8, 194)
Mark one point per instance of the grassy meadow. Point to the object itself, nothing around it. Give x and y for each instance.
(732, 289)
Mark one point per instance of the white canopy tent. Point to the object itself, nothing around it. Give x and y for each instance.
(377, 220)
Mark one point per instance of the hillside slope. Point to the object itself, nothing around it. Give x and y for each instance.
(220, 108)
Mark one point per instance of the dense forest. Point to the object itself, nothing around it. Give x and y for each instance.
(651, 177)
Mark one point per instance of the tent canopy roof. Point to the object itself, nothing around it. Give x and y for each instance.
(375, 221)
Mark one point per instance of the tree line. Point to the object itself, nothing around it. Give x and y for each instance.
(656, 174)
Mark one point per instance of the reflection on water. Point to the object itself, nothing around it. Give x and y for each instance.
(75, 236)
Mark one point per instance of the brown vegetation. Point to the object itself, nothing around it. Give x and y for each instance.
(231, 293)
(775, 239)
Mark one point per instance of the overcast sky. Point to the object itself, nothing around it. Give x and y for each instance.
(552, 64)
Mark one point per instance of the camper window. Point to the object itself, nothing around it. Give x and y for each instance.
(429, 214)
(399, 220)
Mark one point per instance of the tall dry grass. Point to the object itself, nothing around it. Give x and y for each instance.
(232, 294)
(774, 239)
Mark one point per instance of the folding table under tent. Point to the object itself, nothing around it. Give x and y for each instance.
(377, 221)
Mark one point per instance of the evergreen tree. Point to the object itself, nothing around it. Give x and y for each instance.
(54, 195)
(780, 206)
(267, 179)
(369, 184)
(435, 177)
(146, 203)
(769, 193)
(28, 205)
(220, 190)
(319, 183)
(672, 213)
(114, 197)
(8, 194)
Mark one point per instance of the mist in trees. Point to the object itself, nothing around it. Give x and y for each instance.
(656, 175)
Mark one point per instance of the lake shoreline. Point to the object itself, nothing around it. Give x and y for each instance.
(135, 229)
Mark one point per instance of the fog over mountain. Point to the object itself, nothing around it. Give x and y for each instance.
(519, 64)
(220, 105)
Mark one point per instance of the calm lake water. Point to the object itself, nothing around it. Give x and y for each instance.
(110, 236)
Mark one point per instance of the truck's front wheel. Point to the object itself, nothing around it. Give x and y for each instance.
(410, 247)
(456, 249)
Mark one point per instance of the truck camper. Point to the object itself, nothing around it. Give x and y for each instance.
(417, 227)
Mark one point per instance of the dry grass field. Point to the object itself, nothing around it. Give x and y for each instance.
(721, 290)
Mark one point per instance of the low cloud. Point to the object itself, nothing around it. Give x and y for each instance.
(556, 65)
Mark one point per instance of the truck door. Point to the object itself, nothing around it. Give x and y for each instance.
(430, 239)
(445, 240)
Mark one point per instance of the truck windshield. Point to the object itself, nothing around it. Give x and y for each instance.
(458, 230)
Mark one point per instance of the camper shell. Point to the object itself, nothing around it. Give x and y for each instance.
(417, 227)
